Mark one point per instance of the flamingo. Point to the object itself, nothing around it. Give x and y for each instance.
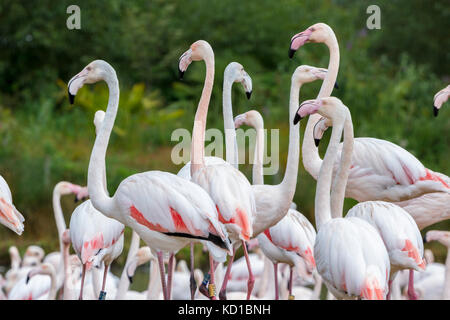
(380, 170)
(350, 254)
(234, 72)
(444, 238)
(400, 234)
(10, 217)
(227, 186)
(39, 284)
(165, 210)
(440, 98)
(293, 236)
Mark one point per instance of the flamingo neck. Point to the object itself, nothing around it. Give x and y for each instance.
(198, 133)
(323, 186)
(97, 169)
(53, 287)
(257, 173)
(124, 283)
(154, 285)
(446, 293)
(228, 124)
(341, 177)
(68, 282)
(61, 226)
(310, 153)
(287, 186)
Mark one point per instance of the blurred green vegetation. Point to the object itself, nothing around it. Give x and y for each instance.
(387, 77)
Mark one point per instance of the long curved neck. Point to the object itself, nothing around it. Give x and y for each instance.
(289, 182)
(124, 282)
(68, 283)
(310, 153)
(228, 124)
(154, 285)
(61, 226)
(198, 133)
(340, 180)
(322, 200)
(97, 169)
(53, 287)
(446, 293)
(257, 173)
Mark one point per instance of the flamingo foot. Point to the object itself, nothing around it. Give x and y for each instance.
(412, 295)
(250, 285)
(203, 288)
(193, 286)
(223, 294)
(102, 295)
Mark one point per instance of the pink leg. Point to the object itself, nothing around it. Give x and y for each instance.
(411, 293)
(193, 285)
(162, 272)
(212, 285)
(223, 290)
(103, 293)
(170, 276)
(275, 269)
(290, 282)
(83, 274)
(251, 278)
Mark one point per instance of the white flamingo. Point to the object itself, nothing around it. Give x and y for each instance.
(39, 284)
(293, 236)
(380, 170)
(444, 238)
(227, 186)
(165, 210)
(234, 72)
(350, 254)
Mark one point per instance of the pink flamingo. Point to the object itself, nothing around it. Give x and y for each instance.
(291, 240)
(39, 284)
(350, 254)
(165, 210)
(444, 238)
(234, 72)
(227, 186)
(440, 98)
(380, 170)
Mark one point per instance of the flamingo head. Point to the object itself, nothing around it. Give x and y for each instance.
(326, 107)
(319, 129)
(251, 118)
(439, 99)
(66, 240)
(45, 268)
(94, 72)
(319, 32)
(143, 255)
(199, 50)
(33, 253)
(66, 188)
(10, 216)
(235, 73)
(437, 235)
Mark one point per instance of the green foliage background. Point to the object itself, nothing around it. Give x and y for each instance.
(387, 77)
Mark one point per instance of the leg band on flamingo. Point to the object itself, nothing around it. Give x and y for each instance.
(102, 295)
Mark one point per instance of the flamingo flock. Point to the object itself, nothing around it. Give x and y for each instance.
(374, 252)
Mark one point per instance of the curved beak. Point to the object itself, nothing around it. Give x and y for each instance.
(435, 110)
(131, 268)
(306, 108)
(184, 62)
(11, 217)
(249, 94)
(75, 84)
(248, 85)
(297, 117)
(298, 40)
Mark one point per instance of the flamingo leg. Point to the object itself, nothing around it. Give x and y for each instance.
(193, 285)
(83, 274)
(223, 289)
(251, 278)
(102, 295)
(275, 269)
(212, 285)
(388, 297)
(411, 293)
(170, 276)
(162, 274)
(291, 297)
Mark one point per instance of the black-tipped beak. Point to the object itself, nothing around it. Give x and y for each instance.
(435, 111)
(76, 200)
(180, 74)
(71, 98)
(424, 238)
(291, 53)
(316, 142)
(130, 278)
(249, 94)
(297, 118)
(28, 279)
(336, 85)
